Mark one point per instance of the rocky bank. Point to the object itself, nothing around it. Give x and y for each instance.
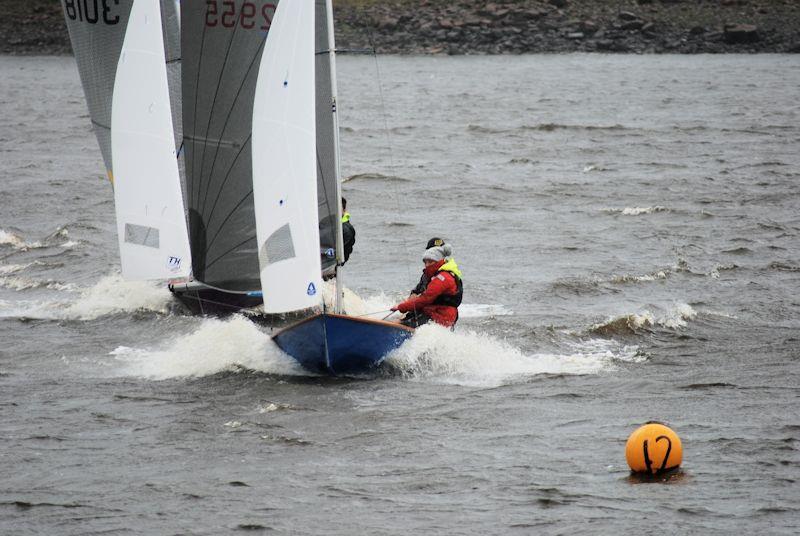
(500, 26)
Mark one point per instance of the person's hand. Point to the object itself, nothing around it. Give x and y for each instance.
(393, 308)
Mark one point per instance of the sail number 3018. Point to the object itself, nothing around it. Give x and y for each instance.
(91, 11)
(248, 16)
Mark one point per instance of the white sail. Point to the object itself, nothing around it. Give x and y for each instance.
(284, 163)
(153, 239)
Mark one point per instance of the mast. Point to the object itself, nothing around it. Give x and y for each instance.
(339, 236)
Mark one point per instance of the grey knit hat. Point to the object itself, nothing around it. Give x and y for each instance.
(437, 253)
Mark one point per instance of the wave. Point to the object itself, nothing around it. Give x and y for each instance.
(712, 385)
(655, 276)
(58, 238)
(628, 324)
(738, 251)
(676, 317)
(543, 127)
(24, 283)
(8, 238)
(523, 161)
(636, 211)
(478, 310)
(593, 285)
(375, 177)
(231, 345)
(595, 167)
(110, 295)
(377, 306)
(783, 267)
(468, 358)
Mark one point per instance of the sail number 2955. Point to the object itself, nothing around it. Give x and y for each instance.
(92, 11)
(248, 15)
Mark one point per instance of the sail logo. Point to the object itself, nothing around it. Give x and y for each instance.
(312, 290)
(173, 263)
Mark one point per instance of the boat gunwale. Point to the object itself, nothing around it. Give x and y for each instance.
(347, 317)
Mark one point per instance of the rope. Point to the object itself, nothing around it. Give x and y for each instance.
(388, 144)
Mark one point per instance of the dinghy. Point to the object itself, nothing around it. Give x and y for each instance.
(295, 121)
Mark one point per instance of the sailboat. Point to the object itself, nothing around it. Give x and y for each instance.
(261, 145)
(125, 72)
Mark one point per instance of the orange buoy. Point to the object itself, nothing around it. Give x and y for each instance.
(653, 448)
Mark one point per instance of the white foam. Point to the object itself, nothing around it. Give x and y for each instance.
(10, 239)
(594, 167)
(351, 301)
(636, 211)
(677, 316)
(216, 346)
(661, 274)
(476, 310)
(14, 240)
(13, 268)
(112, 294)
(475, 359)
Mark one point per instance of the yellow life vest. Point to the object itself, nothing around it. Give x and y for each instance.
(452, 267)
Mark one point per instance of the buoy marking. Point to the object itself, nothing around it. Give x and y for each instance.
(648, 462)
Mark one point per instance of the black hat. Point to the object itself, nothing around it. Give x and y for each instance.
(434, 243)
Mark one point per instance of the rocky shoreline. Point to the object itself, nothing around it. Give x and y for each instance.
(37, 27)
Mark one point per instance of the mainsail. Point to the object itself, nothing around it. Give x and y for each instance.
(221, 47)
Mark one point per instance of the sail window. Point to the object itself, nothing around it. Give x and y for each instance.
(278, 247)
(141, 235)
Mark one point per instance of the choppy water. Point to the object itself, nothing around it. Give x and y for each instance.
(629, 230)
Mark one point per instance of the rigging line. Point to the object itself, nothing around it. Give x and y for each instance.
(388, 144)
(201, 301)
(211, 116)
(95, 123)
(224, 253)
(219, 192)
(227, 119)
(190, 171)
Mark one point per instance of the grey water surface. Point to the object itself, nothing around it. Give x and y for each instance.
(629, 232)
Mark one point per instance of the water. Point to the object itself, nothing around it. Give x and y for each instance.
(630, 236)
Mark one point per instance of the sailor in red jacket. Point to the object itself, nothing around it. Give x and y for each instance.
(442, 296)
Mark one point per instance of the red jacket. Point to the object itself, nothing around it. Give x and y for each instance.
(440, 283)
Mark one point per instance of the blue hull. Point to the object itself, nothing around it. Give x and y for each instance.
(339, 344)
